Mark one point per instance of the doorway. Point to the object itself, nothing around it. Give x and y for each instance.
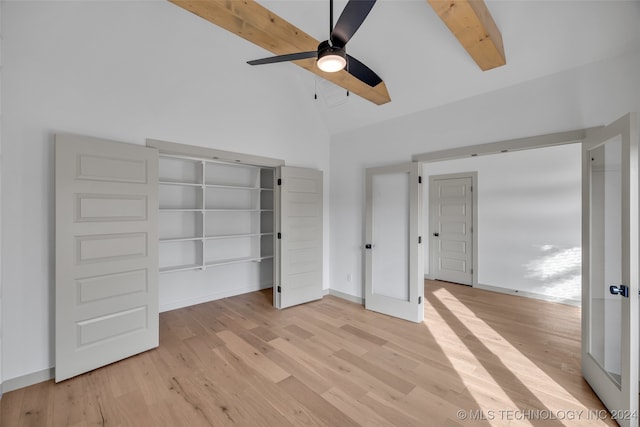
(527, 237)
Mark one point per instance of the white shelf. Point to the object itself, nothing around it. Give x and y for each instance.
(176, 268)
(199, 185)
(231, 187)
(231, 210)
(181, 183)
(220, 237)
(213, 210)
(180, 239)
(236, 236)
(173, 268)
(236, 261)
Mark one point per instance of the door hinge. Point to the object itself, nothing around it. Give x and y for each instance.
(471, 188)
(279, 289)
(279, 235)
(419, 300)
(419, 239)
(279, 181)
(472, 271)
(419, 180)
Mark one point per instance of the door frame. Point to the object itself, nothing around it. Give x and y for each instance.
(474, 219)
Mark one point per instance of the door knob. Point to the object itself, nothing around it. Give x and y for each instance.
(368, 246)
(619, 290)
(436, 234)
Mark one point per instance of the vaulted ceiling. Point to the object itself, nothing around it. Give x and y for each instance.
(424, 66)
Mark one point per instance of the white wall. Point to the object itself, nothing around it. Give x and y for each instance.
(529, 211)
(1, 199)
(125, 71)
(592, 95)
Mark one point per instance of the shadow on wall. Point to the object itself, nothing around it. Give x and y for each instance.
(559, 271)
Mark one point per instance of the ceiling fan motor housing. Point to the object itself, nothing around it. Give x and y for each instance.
(331, 58)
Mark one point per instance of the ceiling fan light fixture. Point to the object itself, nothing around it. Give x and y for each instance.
(332, 59)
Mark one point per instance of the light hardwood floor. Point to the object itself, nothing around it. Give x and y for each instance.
(492, 358)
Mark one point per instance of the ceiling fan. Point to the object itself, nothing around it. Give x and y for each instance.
(469, 20)
(331, 54)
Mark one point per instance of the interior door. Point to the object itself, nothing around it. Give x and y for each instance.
(299, 232)
(106, 252)
(610, 267)
(451, 220)
(394, 276)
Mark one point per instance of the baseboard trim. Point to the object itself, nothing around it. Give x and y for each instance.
(527, 294)
(212, 297)
(27, 380)
(342, 295)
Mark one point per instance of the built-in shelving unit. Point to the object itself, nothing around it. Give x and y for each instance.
(214, 213)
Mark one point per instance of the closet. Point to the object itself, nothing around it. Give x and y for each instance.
(214, 213)
(141, 230)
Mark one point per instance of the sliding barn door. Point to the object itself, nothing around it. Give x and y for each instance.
(299, 272)
(106, 252)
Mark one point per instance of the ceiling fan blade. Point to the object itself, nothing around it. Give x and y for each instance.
(284, 58)
(361, 72)
(352, 17)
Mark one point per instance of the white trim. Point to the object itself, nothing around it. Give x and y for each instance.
(166, 147)
(212, 297)
(528, 143)
(28, 380)
(347, 297)
(527, 294)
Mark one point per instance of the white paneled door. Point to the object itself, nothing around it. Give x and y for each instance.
(394, 277)
(611, 250)
(299, 237)
(106, 252)
(451, 223)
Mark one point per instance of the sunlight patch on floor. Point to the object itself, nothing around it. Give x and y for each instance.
(465, 363)
(545, 389)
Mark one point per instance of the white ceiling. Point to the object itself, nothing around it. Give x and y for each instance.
(424, 66)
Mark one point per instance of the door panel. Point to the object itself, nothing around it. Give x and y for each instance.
(106, 252)
(394, 282)
(610, 263)
(390, 254)
(451, 223)
(299, 275)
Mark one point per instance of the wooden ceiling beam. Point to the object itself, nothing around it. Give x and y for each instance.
(260, 26)
(472, 24)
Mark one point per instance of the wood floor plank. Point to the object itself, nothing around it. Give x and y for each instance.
(251, 357)
(240, 362)
(318, 365)
(326, 412)
(375, 371)
(354, 409)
